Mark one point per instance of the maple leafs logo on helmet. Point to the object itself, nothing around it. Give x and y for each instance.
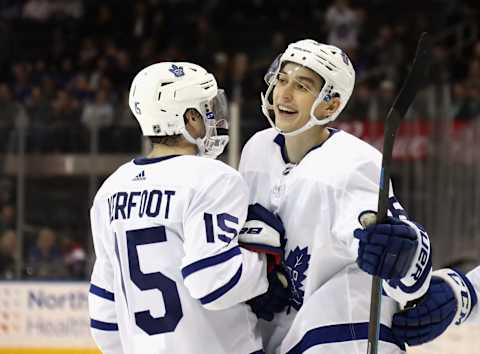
(164, 98)
(176, 70)
(345, 58)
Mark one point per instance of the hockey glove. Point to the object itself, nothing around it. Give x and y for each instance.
(263, 232)
(276, 298)
(387, 250)
(449, 299)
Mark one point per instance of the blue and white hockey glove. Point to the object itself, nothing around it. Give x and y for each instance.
(263, 232)
(398, 251)
(386, 250)
(449, 299)
(276, 298)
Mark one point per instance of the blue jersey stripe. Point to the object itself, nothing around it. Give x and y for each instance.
(214, 295)
(210, 261)
(342, 333)
(96, 290)
(104, 326)
(146, 160)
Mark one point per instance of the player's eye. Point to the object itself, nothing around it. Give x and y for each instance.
(301, 87)
(281, 79)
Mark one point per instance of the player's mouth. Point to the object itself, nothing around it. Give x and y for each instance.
(286, 111)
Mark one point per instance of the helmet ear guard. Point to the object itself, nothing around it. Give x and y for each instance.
(329, 62)
(161, 93)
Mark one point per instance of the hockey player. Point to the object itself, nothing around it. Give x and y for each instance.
(452, 299)
(169, 276)
(319, 180)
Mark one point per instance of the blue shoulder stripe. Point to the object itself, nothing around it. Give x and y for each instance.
(96, 290)
(104, 326)
(214, 295)
(210, 261)
(342, 333)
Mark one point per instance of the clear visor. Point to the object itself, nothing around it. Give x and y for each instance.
(216, 125)
(303, 77)
(295, 78)
(216, 114)
(272, 70)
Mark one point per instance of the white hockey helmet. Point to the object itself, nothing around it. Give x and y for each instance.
(161, 94)
(328, 61)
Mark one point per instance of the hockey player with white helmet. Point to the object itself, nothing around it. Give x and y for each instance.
(319, 180)
(169, 275)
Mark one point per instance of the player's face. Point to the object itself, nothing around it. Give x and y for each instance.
(296, 89)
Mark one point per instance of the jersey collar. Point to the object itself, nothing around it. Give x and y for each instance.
(280, 141)
(146, 160)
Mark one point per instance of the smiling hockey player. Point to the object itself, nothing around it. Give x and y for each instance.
(319, 180)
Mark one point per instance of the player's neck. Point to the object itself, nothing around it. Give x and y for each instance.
(298, 145)
(160, 150)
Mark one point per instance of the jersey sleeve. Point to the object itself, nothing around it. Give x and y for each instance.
(101, 297)
(215, 269)
(360, 193)
(474, 277)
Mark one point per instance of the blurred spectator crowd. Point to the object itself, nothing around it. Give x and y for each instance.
(66, 67)
(46, 254)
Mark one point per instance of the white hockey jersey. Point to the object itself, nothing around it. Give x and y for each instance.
(319, 201)
(474, 277)
(169, 275)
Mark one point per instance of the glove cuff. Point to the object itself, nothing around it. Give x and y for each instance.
(463, 291)
(415, 284)
(420, 262)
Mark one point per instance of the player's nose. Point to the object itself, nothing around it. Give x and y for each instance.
(286, 93)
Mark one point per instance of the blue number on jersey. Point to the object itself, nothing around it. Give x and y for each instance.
(147, 281)
(222, 222)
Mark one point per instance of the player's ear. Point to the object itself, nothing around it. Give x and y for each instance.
(327, 107)
(194, 123)
(332, 106)
(191, 115)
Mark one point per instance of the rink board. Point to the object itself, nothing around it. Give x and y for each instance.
(52, 318)
(45, 317)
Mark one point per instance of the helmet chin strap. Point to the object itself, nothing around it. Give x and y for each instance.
(210, 147)
(313, 121)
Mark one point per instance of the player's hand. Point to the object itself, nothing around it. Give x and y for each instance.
(449, 299)
(263, 232)
(386, 250)
(276, 298)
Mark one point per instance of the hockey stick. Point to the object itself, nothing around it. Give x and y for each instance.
(414, 81)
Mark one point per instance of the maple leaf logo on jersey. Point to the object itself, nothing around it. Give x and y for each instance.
(297, 265)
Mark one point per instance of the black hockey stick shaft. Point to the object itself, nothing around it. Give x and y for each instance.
(413, 82)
